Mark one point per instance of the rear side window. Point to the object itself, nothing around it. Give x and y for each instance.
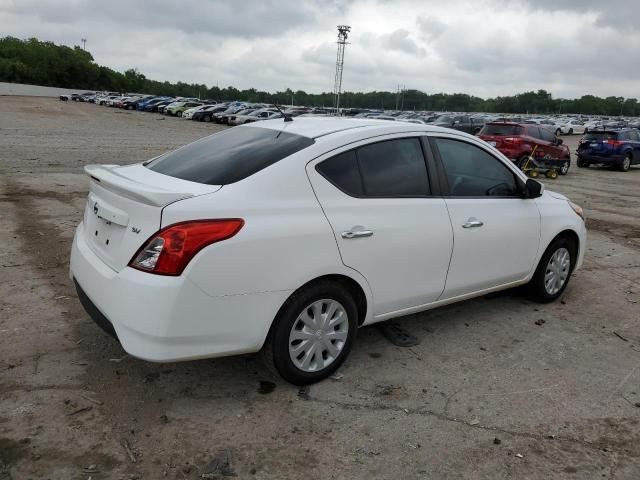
(342, 170)
(229, 156)
(501, 130)
(634, 135)
(392, 168)
(534, 131)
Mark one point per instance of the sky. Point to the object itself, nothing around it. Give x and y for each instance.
(481, 47)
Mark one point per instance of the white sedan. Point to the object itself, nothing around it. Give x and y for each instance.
(287, 236)
(572, 127)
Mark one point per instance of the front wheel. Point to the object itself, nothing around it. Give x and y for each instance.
(571, 131)
(565, 167)
(554, 270)
(312, 333)
(558, 132)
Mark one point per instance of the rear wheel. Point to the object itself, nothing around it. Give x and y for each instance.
(625, 164)
(207, 118)
(558, 132)
(554, 270)
(312, 333)
(571, 131)
(582, 163)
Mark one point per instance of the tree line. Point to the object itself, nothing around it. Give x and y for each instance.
(35, 62)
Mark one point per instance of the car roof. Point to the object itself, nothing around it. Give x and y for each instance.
(315, 127)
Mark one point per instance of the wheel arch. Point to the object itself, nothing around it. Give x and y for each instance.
(572, 236)
(353, 286)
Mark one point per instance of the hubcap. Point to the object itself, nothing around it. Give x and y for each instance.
(565, 168)
(626, 163)
(557, 271)
(318, 335)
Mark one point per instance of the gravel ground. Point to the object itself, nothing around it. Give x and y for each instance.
(488, 393)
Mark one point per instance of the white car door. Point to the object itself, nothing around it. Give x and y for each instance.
(496, 230)
(377, 197)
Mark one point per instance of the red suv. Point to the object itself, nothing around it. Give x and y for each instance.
(517, 140)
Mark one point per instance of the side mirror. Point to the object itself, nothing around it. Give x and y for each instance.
(533, 188)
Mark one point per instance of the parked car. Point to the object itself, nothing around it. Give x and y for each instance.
(255, 116)
(132, 103)
(517, 141)
(464, 123)
(158, 106)
(205, 114)
(177, 108)
(615, 148)
(223, 117)
(572, 126)
(189, 112)
(182, 257)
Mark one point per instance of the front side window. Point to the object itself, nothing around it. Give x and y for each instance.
(473, 172)
(391, 168)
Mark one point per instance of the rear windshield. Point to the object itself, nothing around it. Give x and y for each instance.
(501, 130)
(600, 136)
(229, 156)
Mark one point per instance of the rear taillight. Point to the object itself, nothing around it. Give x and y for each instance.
(170, 250)
(614, 143)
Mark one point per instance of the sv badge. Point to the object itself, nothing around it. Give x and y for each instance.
(135, 230)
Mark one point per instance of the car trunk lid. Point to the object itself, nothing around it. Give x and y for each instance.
(124, 208)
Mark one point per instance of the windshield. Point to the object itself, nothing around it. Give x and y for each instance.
(501, 130)
(229, 156)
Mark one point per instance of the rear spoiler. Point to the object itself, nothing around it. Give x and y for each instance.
(107, 176)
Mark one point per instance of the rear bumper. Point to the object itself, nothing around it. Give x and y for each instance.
(609, 159)
(160, 319)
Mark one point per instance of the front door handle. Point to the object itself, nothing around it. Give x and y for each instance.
(473, 222)
(356, 234)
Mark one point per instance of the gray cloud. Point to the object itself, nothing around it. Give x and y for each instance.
(482, 47)
(431, 27)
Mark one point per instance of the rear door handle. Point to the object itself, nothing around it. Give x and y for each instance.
(473, 222)
(356, 234)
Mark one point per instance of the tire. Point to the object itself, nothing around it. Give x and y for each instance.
(586, 130)
(625, 164)
(582, 163)
(558, 132)
(538, 290)
(179, 114)
(565, 167)
(207, 118)
(315, 298)
(571, 131)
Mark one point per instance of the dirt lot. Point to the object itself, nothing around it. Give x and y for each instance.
(488, 393)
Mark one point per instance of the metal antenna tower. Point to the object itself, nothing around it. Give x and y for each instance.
(343, 33)
(84, 43)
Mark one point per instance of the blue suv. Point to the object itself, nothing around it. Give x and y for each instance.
(617, 148)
